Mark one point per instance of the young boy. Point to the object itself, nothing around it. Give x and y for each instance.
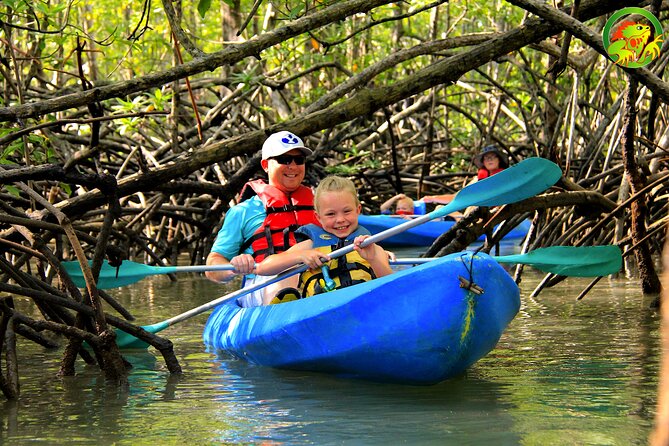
(403, 205)
(337, 209)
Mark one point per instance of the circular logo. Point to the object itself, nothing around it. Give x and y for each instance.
(290, 139)
(325, 237)
(632, 42)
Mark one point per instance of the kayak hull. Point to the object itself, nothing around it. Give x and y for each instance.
(416, 326)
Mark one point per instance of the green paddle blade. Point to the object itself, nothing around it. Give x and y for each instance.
(112, 277)
(129, 342)
(575, 261)
(131, 272)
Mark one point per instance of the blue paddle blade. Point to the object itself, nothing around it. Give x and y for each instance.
(519, 182)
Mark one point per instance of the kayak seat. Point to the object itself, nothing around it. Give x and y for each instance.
(419, 207)
(286, 295)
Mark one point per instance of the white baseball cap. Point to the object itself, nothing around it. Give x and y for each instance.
(281, 142)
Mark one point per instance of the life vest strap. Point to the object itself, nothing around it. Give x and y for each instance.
(263, 235)
(288, 208)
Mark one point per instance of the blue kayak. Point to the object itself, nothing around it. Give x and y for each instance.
(416, 326)
(426, 233)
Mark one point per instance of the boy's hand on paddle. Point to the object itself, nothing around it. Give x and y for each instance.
(313, 258)
(368, 252)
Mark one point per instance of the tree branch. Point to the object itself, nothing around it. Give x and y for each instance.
(363, 103)
(228, 56)
(590, 37)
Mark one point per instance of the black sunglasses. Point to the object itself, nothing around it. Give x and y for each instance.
(286, 159)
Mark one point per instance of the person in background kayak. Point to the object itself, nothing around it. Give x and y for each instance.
(265, 223)
(337, 209)
(489, 162)
(403, 205)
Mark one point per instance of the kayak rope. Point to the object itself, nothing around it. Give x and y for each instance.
(469, 284)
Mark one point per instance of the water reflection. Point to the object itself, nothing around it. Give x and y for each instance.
(311, 408)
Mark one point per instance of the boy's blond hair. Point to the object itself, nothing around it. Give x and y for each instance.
(406, 200)
(334, 183)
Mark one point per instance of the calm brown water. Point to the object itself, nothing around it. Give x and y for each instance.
(565, 373)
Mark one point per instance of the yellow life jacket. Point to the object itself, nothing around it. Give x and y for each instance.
(345, 271)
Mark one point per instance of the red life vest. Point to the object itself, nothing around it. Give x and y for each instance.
(485, 173)
(285, 213)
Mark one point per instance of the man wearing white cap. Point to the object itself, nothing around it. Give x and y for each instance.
(265, 223)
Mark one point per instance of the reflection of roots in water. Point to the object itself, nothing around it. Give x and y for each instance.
(141, 360)
(328, 408)
(269, 383)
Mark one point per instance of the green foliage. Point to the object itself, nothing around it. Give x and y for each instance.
(245, 78)
(363, 161)
(123, 41)
(156, 101)
(135, 105)
(10, 152)
(17, 6)
(66, 188)
(296, 11)
(39, 150)
(159, 100)
(12, 190)
(203, 6)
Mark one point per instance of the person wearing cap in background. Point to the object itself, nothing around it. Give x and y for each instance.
(490, 161)
(265, 223)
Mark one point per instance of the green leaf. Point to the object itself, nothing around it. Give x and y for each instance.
(7, 130)
(36, 139)
(66, 188)
(15, 147)
(203, 6)
(295, 12)
(13, 190)
(41, 7)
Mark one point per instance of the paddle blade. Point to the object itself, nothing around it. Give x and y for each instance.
(519, 182)
(112, 277)
(126, 341)
(575, 261)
